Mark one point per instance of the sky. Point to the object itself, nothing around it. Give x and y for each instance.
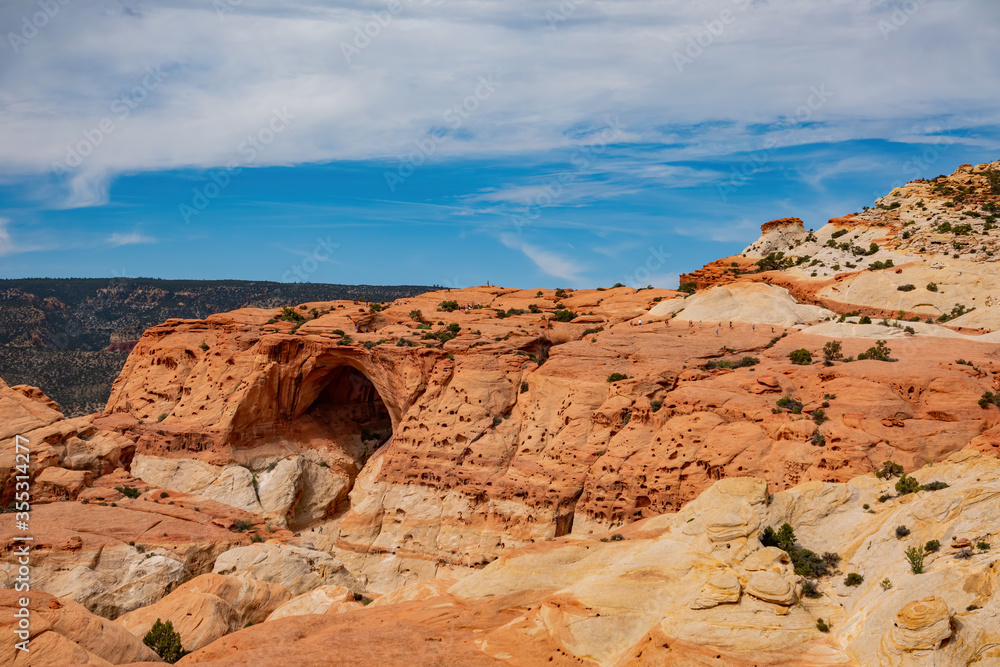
(555, 143)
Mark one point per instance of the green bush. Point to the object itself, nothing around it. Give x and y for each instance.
(936, 485)
(656, 405)
(241, 526)
(810, 590)
(901, 532)
(128, 491)
(909, 287)
(564, 315)
(853, 579)
(865, 320)
(616, 377)
(822, 626)
(932, 287)
(801, 357)
(988, 399)
(164, 641)
(886, 584)
(448, 306)
(416, 315)
(889, 470)
(832, 351)
(906, 485)
(983, 546)
(915, 557)
(162, 416)
(689, 287)
(880, 352)
(204, 346)
(932, 545)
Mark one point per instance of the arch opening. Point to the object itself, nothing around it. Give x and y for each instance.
(348, 409)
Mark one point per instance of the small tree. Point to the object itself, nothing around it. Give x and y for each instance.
(689, 287)
(416, 315)
(906, 485)
(831, 351)
(915, 557)
(854, 579)
(165, 641)
(802, 357)
(889, 470)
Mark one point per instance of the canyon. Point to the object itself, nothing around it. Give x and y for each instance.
(491, 475)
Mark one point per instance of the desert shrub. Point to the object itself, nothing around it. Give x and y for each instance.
(805, 562)
(889, 470)
(615, 377)
(879, 352)
(822, 626)
(983, 546)
(932, 545)
(256, 537)
(241, 526)
(416, 315)
(689, 287)
(932, 287)
(810, 590)
(656, 405)
(128, 491)
(886, 584)
(936, 485)
(524, 387)
(878, 266)
(164, 494)
(165, 641)
(792, 405)
(909, 287)
(832, 351)
(592, 330)
(564, 315)
(906, 485)
(901, 532)
(865, 320)
(988, 399)
(533, 309)
(915, 557)
(801, 357)
(162, 416)
(204, 346)
(853, 579)
(448, 306)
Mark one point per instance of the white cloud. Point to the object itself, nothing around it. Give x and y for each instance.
(223, 75)
(6, 244)
(548, 262)
(118, 239)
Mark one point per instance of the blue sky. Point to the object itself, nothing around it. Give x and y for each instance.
(575, 143)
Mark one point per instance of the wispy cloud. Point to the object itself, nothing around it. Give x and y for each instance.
(547, 261)
(118, 239)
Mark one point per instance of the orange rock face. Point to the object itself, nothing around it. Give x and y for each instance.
(510, 432)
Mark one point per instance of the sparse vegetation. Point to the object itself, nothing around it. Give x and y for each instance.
(128, 491)
(886, 584)
(805, 562)
(889, 470)
(901, 532)
(915, 557)
(822, 626)
(564, 316)
(689, 287)
(801, 357)
(165, 641)
(853, 579)
(989, 398)
(932, 287)
(879, 352)
(932, 546)
(617, 377)
(832, 352)
(908, 287)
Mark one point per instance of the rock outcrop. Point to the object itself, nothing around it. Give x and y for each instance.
(667, 590)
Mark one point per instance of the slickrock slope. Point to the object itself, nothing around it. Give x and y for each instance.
(941, 232)
(699, 588)
(509, 432)
(64, 633)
